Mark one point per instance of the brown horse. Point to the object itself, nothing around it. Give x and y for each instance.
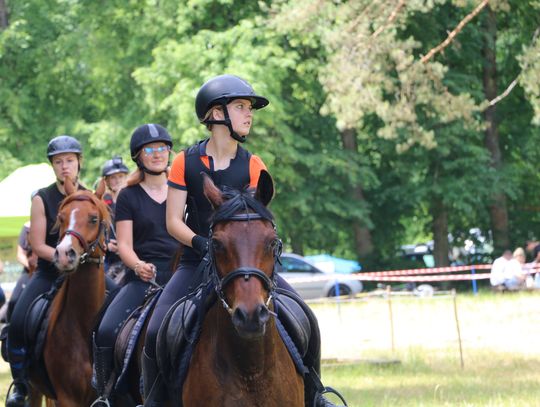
(83, 220)
(240, 359)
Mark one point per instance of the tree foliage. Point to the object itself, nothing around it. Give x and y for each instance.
(99, 69)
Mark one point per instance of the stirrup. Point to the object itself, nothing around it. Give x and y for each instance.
(101, 401)
(329, 390)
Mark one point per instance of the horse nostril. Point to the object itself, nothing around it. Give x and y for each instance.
(263, 313)
(71, 254)
(239, 317)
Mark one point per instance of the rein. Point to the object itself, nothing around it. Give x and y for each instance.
(244, 272)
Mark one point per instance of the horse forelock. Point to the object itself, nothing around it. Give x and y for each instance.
(89, 197)
(240, 201)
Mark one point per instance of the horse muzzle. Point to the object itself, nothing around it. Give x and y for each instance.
(65, 259)
(250, 325)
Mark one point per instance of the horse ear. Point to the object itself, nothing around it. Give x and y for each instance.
(69, 186)
(265, 188)
(100, 190)
(212, 192)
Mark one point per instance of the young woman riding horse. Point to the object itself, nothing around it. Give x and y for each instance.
(225, 106)
(65, 155)
(143, 242)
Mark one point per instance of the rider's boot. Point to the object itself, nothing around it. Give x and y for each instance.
(103, 368)
(155, 393)
(19, 391)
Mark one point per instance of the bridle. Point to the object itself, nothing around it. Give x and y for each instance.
(89, 248)
(246, 273)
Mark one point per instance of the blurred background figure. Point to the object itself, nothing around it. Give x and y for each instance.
(114, 174)
(498, 267)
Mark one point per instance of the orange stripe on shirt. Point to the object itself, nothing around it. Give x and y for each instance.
(177, 175)
(256, 165)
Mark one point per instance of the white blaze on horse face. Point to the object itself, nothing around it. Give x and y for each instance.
(67, 242)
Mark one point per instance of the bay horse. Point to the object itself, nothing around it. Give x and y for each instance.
(240, 358)
(83, 219)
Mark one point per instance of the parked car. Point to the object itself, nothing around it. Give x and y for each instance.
(310, 282)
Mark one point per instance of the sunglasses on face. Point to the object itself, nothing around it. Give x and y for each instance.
(151, 150)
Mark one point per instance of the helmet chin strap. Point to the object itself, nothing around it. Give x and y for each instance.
(227, 122)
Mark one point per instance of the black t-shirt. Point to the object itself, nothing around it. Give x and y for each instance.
(151, 241)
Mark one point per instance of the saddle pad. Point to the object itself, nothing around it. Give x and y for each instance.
(179, 333)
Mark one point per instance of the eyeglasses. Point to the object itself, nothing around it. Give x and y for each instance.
(151, 150)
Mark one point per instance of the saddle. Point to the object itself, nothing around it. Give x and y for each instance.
(36, 323)
(128, 337)
(181, 328)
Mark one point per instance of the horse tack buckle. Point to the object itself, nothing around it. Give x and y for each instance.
(100, 401)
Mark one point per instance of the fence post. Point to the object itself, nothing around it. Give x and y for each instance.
(389, 295)
(474, 282)
(457, 326)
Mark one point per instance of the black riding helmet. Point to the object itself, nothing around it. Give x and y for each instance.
(146, 134)
(114, 166)
(63, 144)
(221, 90)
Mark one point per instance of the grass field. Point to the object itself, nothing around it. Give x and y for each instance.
(11, 226)
(501, 353)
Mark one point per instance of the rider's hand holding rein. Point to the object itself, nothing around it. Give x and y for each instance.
(145, 271)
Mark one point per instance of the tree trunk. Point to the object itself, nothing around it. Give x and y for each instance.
(497, 207)
(439, 228)
(362, 236)
(3, 15)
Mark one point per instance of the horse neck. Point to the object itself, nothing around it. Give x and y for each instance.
(81, 296)
(249, 357)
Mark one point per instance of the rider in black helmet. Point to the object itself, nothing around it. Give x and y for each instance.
(114, 175)
(144, 245)
(65, 154)
(225, 105)
(220, 91)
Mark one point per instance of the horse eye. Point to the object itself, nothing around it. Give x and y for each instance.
(275, 246)
(217, 245)
(93, 219)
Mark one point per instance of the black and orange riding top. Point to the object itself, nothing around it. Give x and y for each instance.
(244, 170)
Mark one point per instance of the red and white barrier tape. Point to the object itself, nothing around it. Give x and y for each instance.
(413, 275)
(434, 270)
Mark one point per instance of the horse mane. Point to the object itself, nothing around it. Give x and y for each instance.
(240, 200)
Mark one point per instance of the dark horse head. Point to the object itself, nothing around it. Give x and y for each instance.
(83, 219)
(243, 249)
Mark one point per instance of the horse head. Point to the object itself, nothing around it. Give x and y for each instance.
(243, 249)
(83, 220)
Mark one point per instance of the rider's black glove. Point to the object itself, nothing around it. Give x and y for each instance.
(200, 245)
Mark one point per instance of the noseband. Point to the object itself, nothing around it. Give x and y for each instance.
(244, 272)
(89, 249)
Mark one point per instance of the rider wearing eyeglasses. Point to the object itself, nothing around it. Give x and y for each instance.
(225, 105)
(143, 242)
(65, 155)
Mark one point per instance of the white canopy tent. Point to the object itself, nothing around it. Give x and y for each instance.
(17, 187)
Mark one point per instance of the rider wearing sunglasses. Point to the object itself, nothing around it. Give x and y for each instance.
(144, 245)
(225, 105)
